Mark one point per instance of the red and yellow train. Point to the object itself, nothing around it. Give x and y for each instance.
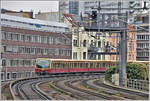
(52, 66)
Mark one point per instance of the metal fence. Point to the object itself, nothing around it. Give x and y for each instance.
(138, 84)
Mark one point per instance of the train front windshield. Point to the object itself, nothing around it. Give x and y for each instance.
(42, 63)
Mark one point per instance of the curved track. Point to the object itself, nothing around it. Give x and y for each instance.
(27, 90)
(79, 87)
(82, 94)
(100, 87)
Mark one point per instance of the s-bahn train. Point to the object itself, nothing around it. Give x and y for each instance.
(53, 66)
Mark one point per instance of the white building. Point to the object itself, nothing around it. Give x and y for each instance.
(85, 6)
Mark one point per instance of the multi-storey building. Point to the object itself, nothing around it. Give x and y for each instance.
(84, 43)
(114, 41)
(24, 40)
(85, 6)
(142, 22)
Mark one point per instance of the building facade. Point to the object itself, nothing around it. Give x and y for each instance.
(114, 41)
(142, 22)
(85, 6)
(24, 40)
(84, 42)
(48, 16)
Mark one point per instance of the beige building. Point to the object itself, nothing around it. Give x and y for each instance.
(84, 42)
(49, 16)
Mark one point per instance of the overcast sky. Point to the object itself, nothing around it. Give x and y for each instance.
(43, 6)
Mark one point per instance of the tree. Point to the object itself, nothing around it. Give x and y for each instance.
(134, 71)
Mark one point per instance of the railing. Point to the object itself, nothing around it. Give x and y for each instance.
(138, 84)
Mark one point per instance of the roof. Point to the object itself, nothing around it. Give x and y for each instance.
(32, 21)
(71, 19)
(10, 11)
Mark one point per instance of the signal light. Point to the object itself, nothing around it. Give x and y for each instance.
(94, 14)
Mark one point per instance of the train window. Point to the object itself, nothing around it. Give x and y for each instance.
(75, 65)
(55, 65)
(72, 64)
(78, 65)
(81, 65)
(43, 63)
(66, 65)
(91, 65)
(103, 65)
(97, 65)
(86, 65)
(63, 65)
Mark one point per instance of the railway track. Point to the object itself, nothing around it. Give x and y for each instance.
(111, 92)
(97, 94)
(81, 94)
(71, 87)
(137, 95)
(95, 91)
(26, 89)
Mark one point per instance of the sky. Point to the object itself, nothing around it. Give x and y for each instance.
(26, 5)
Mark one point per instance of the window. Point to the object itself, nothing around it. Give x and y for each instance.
(2, 76)
(15, 37)
(27, 50)
(84, 43)
(4, 35)
(84, 55)
(147, 37)
(52, 52)
(21, 50)
(27, 63)
(14, 75)
(3, 62)
(44, 39)
(35, 38)
(14, 62)
(74, 55)
(99, 44)
(22, 37)
(129, 56)
(8, 49)
(99, 57)
(28, 38)
(75, 43)
(33, 50)
(9, 36)
(45, 51)
(69, 52)
(38, 50)
(133, 36)
(56, 52)
(130, 46)
(15, 49)
(51, 40)
(22, 62)
(8, 76)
